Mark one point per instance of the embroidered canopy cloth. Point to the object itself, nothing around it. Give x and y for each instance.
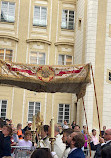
(46, 78)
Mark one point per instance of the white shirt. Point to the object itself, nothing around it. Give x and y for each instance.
(24, 143)
(106, 142)
(65, 127)
(95, 140)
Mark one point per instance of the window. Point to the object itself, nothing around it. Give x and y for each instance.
(67, 19)
(6, 54)
(7, 11)
(110, 76)
(34, 108)
(65, 60)
(3, 109)
(64, 113)
(37, 58)
(40, 16)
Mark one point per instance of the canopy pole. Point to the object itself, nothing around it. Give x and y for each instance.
(96, 100)
(86, 124)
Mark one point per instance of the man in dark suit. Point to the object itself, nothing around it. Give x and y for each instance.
(106, 152)
(103, 143)
(1, 138)
(107, 139)
(76, 141)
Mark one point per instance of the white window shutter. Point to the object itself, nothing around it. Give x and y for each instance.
(43, 16)
(11, 14)
(36, 18)
(64, 20)
(4, 11)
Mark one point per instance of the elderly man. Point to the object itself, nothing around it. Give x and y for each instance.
(103, 143)
(107, 139)
(76, 141)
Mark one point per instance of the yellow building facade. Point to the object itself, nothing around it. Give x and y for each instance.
(56, 32)
(37, 32)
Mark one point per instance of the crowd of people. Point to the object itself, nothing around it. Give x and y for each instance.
(70, 141)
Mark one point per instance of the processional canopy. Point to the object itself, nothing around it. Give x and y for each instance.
(46, 78)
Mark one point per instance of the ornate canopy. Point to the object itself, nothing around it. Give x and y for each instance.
(46, 78)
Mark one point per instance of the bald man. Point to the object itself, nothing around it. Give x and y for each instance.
(107, 139)
(103, 143)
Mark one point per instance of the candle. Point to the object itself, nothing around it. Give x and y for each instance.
(52, 128)
(33, 124)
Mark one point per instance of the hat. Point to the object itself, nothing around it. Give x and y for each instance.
(29, 122)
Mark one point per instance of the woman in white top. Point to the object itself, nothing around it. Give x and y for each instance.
(26, 141)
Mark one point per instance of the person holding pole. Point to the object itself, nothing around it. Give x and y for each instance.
(57, 145)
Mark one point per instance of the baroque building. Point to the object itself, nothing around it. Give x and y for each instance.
(57, 32)
(37, 32)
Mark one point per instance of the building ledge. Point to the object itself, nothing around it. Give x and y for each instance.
(64, 43)
(69, 2)
(9, 37)
(38, 40)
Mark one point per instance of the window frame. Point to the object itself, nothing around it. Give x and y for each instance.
(65, 58)
(37, 57)
(63, 113)
(34, 108)
(40, 15)
(1, 107)
(67, 22)
(109, 76)
(8, 11)
(4, 57)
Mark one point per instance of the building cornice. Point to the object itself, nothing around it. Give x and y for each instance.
(38, 40)
(9, 37)
(64, 43)
(69, 2)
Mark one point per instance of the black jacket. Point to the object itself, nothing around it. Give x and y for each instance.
(98, 148)
(7, 146)
(25, 129)
(1, 144)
